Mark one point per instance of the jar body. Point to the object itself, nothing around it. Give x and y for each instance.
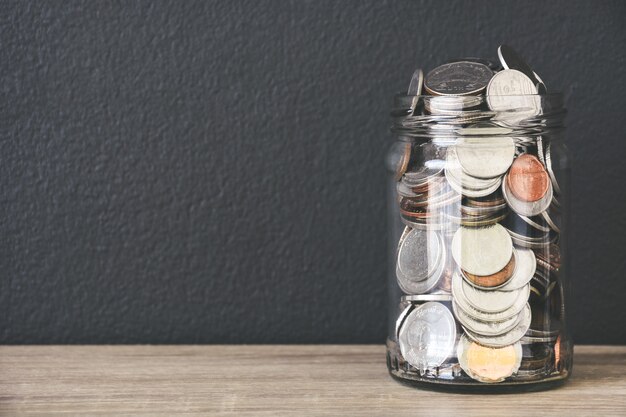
(478, 212)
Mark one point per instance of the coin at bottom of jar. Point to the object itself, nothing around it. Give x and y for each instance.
(486, 364)
(427, 336)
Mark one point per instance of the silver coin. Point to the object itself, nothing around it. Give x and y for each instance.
(422, 175)
(482, 251)
(493, 65)
(462, 303)
(550, 221)
(524, 208)
(465, 184)
(438, 296)
(461, 353)
(483, 130)
(415, 86)
(463, 189)
(486, 328)
(510, 59)
(422, 287)
(419, 253)
(535, 224)
(409, 284)
(427, 336)
(513, 95)
(505, 339)
(458, 79)
(492, 301)
(525, 267)
(531, 245)
(415, 89)
(540, 153)
(541, 87)
(485, 157)
(403, 236)
(451, 105)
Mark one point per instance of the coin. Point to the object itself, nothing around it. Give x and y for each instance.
(507, 338)
(427, 336)
(487, 328)
(451, 105)
(491, 64)
(458, 79)
(415, 86)
(551, 221)
(418, 255)
(482, 251)
(421, 261)
(526, 208)
(527, 179)
(485, 157)
(415, 89)
(513, 95)
(512, 60)
(459, 298)
(403, 162)
(487, 364)
(536, 222)
(441, 296)
(525, 268)
(494, 280)
(493, 301)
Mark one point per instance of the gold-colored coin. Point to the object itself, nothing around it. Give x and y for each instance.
(487, 364)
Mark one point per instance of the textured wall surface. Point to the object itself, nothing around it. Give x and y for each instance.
(190, 172)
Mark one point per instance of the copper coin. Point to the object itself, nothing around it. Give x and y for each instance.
(527, 178)
(494, 280)
(557, 353)
(403, 164)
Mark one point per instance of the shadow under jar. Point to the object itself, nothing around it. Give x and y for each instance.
(478, 204)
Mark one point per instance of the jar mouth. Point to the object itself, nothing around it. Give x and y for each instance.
(426, 116)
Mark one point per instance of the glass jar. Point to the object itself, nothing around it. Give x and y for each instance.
(478, 204)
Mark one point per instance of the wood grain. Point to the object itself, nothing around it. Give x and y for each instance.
(272, 381)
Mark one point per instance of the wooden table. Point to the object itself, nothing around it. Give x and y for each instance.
(272, 381)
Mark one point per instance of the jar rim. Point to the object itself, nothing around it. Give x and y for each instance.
(557, 94)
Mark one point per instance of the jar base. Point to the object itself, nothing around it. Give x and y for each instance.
(480, 388)
(451, 377)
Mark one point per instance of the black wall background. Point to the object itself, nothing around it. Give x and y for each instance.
(191, 172)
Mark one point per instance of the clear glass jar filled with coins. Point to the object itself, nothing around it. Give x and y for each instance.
(478, 196)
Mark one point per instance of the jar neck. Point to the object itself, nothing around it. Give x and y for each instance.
(422, 118)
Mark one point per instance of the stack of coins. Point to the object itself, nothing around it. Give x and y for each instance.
(479, 259)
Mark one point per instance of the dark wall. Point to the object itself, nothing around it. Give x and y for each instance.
(190, 172)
